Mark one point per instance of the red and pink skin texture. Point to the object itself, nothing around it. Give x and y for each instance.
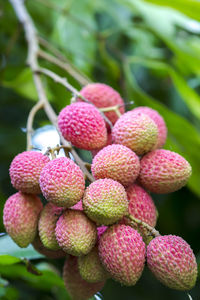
(76, 286)
(75, 233)
(47, 224)
(20, 217)
(25, 171)
(158, 119)
(101, 230)
(62, 182)
(78, 206)
(105, 201)
(109, 142)
(136, 131)
(116, 162)
(172, 261)
(102, 95)
(54, 254)
(83, 125)
(122, 253)
(163, 171)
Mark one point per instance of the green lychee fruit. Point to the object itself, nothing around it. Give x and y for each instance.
(136, 131)
(47, 224)
(76, 286)
(122, 253)
(90, 267)
(75, 233)
(105, 201)
(20, 217)
(163, 171)
(172, 261)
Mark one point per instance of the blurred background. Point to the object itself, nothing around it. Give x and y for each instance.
(147, 50)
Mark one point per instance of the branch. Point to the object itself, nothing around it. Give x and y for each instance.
(32, 60)
(151, 229)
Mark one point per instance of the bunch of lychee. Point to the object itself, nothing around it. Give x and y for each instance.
(107, 229)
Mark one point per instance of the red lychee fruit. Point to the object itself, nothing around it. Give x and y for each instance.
(62, 182)
(116, 162)
(25, 171)
(102, 95)
(76, 286)
(172, 261)
(20, 217)
(163, 171)
(135, 131)
(83, 125)
(122, 253)
(158, 119)
(75, 233)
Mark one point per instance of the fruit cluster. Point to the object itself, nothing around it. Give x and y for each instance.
(107, 229)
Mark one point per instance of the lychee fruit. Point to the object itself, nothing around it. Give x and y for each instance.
(101, 230)
(83, 125)
(78, 206)
(90, 267)
(20, 217)
(158, 119)
(172, 261)
(105, 201)
(54, 254)
(142, 207)
(102, 95)
(109, 142)
(62, 182)
(75, 233)
(163, 171)
(76, 286)
(122, 253)
(116, 162)
(136, 131)
(47, 224)
(25, 171)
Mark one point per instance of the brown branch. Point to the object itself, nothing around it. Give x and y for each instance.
(65, 66)
(151, 229)
(32, 60)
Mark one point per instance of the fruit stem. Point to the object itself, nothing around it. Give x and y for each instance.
(114, 108)
(151, 229)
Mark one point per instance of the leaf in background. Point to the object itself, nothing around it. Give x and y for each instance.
(23, 84)
(188, 7)
(182, 136)
(9, 260)
(77, 34)
(9, 248)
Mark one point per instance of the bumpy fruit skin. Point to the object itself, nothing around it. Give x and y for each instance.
(20, 217)
(102, 95)
(90, 267)
(25, 171)
(54, 254)
(78, 206)
(109, 142)
(116, 162)
(101, 230)
(83, 125)
(76, 286)
(105, 201)
(122, 252)
(158, 119)
(47, 224)
(62, 182)
(75, 233)
(172, 261)
(136, 131)
(163, 171)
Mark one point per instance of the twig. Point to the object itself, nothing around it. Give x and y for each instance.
(114, 108)
(29, 126)
(151, 229)
(33, 48)
(65, 66)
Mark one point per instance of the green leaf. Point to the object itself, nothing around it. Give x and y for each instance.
(10, 249)
(8, 260)
(182, 136)
(188, 7)
(23, 84)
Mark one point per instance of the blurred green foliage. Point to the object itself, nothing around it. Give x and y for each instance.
(150, 52)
